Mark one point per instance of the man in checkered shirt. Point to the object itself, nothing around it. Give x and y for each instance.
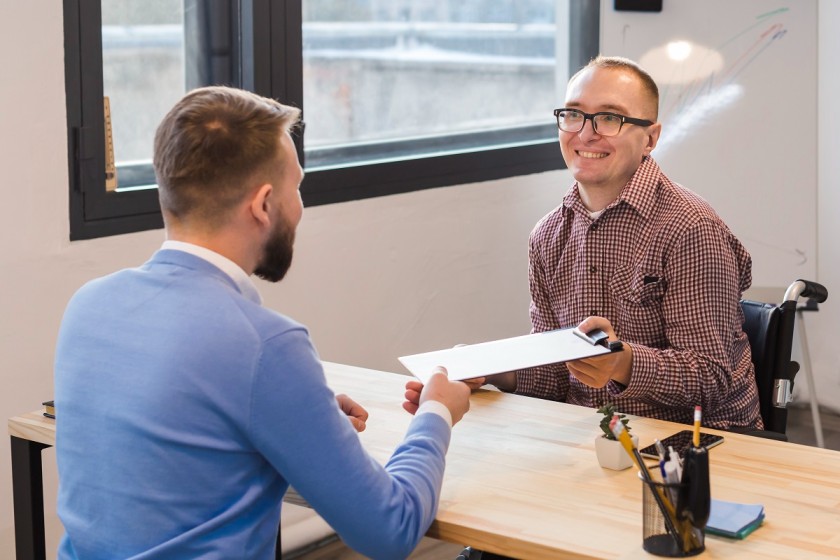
(642, 258)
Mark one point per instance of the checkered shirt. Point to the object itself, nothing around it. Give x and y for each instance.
(668, 274)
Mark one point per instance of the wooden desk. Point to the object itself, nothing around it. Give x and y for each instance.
(522, 478)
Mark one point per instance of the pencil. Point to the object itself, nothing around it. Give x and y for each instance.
(698, 413)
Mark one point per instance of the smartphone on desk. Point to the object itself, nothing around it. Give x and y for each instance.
(681, 441)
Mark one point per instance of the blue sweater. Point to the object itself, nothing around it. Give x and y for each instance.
(185, 410)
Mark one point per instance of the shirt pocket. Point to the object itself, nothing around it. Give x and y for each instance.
(637, 295)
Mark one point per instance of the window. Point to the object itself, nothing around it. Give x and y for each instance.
(398, 95)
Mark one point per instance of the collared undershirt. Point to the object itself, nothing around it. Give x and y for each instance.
(249, 290)
(435, 407)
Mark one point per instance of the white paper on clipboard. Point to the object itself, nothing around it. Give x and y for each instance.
(507, 354)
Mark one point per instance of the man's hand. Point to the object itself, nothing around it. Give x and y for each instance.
(475, 383)
(354, 411)
(455, 395)
(503, 381)
(597, 371)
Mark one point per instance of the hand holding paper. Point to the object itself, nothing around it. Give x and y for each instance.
(455, 396)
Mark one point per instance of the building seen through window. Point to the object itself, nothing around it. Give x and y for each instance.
(402, 78)
(382, 79)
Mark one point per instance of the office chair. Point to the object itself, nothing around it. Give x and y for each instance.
(769, 329)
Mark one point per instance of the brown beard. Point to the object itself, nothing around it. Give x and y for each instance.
(277, 254)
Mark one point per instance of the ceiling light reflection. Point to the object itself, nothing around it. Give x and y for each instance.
(681, 62)
(678, 50)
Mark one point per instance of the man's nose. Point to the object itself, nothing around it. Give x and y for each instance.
(588, 130)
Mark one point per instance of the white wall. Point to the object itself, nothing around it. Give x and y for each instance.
(822, 327)
(372, 279)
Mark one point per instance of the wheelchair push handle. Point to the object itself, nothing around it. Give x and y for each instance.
(808, 289)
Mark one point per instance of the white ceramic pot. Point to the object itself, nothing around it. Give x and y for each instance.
(611, 454)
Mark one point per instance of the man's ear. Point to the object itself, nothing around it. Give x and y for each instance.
(653, 133)
(260, 204)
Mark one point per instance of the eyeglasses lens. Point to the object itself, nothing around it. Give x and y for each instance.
(574, 121)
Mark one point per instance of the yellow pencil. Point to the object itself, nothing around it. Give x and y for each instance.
(698, 413)
(623, 436)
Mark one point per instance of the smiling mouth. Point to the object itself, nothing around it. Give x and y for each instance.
(591, 155)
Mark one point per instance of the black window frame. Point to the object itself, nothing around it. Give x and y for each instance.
(271, 32)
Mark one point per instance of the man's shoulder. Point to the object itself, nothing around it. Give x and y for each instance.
(654, 194)
(270, 323)
(686, 203)
(686, 212)
(200, 293)
(114, 282)
(684, 195)
(550, 222)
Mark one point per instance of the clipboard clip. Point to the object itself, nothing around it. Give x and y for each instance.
(599, 337)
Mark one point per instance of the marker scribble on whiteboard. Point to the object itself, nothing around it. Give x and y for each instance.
(798, 256)
(697, 86)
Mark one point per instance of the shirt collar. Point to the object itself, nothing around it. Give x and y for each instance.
(639, 193)
(233, 270)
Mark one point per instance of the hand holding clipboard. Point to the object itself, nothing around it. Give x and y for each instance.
(616, 365)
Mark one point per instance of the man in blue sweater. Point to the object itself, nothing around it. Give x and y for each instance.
(187, 409)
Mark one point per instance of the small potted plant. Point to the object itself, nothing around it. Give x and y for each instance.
(611, 454)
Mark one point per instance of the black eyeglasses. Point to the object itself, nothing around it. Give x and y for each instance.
(604, 123)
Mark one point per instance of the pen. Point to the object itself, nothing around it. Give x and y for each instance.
(675, 457)
(672, 477)
(660, 450)
(697, 415)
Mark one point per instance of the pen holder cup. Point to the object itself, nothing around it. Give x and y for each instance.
(663, 534)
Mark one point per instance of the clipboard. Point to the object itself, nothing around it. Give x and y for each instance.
(508, 354)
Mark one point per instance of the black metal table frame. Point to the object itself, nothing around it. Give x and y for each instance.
(28, 499)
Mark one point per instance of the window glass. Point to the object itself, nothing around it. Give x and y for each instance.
(398, 95)
(388, 79)
(143, 73)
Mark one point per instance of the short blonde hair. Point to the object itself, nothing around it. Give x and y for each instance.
(621, 63)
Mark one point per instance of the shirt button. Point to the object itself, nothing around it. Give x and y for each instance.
(593, 269)
(594, 312)
(594, 226)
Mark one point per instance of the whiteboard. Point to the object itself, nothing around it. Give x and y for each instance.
(738, 106)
